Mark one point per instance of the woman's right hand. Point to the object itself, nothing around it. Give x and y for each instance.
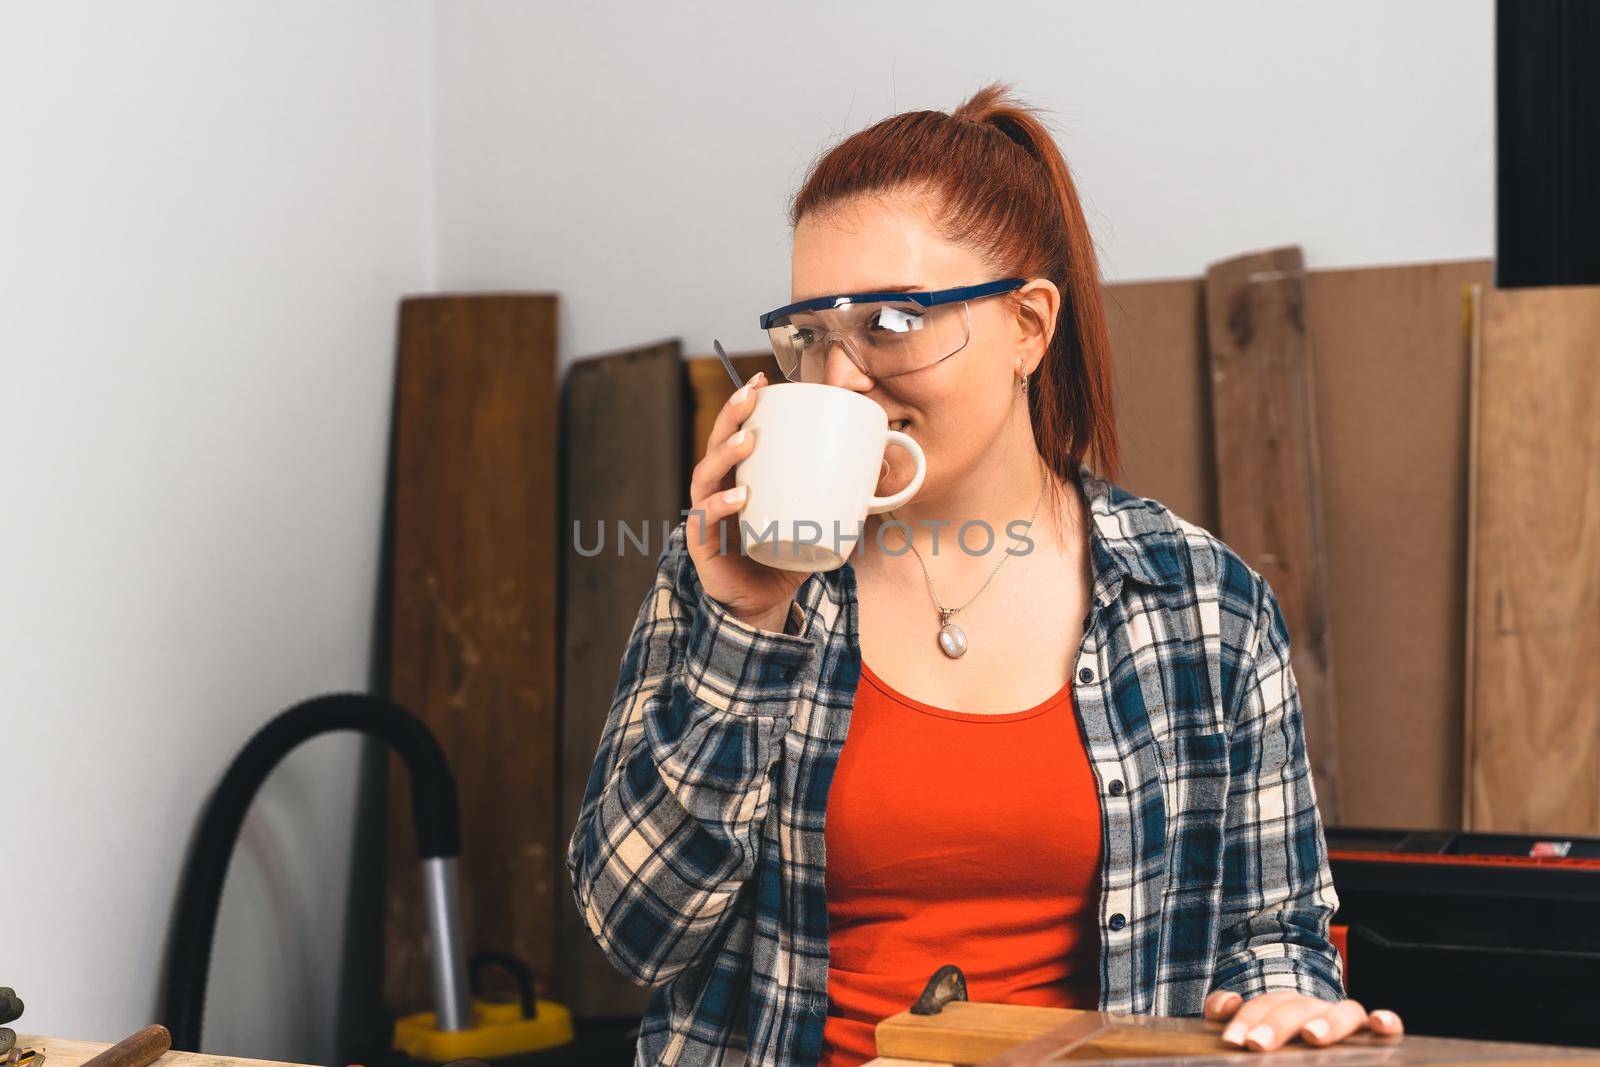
(753, 592)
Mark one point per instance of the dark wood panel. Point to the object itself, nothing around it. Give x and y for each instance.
(625, 419)
(474, 621)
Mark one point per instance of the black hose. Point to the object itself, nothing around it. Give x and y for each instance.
(434, 810)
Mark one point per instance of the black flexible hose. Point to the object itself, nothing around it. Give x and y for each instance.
(434, 810)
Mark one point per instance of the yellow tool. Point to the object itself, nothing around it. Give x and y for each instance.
(499, 1028)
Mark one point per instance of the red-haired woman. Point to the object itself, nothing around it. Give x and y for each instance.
(1064, 753)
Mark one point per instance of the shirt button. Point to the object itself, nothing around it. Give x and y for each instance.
(1086, 675)
(1116, 787)
(1118, 921)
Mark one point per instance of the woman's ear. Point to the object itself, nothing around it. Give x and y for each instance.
(1038, 310)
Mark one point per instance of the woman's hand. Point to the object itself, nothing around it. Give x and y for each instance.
(753, 592)
(1271, 1020)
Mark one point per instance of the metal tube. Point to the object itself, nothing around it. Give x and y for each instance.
(451, 997)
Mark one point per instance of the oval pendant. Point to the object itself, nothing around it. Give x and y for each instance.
(952, 640)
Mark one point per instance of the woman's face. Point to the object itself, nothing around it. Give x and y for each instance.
(962, 408)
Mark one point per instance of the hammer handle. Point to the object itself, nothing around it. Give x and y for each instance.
(136, 1050)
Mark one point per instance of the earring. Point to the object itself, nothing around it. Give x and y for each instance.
(1023, 385)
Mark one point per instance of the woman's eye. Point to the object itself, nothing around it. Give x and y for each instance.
(894, 320)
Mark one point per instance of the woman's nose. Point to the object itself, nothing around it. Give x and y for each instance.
(839, 369)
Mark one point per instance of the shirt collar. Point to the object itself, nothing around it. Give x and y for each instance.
(1130, 537)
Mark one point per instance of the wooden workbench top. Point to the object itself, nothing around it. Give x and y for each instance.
(65, 1052)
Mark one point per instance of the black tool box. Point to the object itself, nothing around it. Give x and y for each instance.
(1490, 936)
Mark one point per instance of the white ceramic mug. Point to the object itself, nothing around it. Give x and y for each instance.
(818, 455)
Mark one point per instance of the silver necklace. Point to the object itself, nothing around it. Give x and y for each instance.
(952, 638)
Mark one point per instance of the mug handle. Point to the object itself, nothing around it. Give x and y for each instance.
(879, 504)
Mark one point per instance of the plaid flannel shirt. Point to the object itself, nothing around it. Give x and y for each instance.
(697, 861)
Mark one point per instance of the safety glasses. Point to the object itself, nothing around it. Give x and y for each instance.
(884, 334)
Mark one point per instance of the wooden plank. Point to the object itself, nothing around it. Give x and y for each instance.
(1532, 754)
(474, 619)
(1268, 470)
(625, 439)
(1391, 397)
(966, 1031)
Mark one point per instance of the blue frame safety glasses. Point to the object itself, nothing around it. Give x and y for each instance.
(884, 334)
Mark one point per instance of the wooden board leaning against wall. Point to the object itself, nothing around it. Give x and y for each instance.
(474, 618)
(1532, 753)
(624, 441)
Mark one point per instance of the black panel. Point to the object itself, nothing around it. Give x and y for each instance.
(1547, 111)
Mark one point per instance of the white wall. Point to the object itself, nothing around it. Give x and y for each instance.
(640, 163)
(210, 212)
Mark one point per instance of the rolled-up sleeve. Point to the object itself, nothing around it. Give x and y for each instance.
(1278, 895)
(667, 832)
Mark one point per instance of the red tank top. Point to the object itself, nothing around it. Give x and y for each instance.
(957, 837)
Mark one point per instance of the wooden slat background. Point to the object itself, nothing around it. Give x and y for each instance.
(1158, 332)
(1390, 391)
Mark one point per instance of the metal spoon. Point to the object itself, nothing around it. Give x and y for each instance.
(727, 364)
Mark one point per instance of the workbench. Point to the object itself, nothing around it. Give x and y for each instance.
(65, 1052)
(1144, 1040)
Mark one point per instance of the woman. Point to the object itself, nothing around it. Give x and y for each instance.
(1072, 764)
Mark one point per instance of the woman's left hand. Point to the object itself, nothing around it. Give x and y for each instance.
(1271, 1020)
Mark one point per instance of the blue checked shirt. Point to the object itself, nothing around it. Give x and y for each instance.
(697, 861)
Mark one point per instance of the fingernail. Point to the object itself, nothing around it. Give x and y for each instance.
(761, 376)
(1234, 1034)
(1261, 1036)
(1317, 1028)
(734, 495)
(737, 439)
(1386, 1018)
(743, 394)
